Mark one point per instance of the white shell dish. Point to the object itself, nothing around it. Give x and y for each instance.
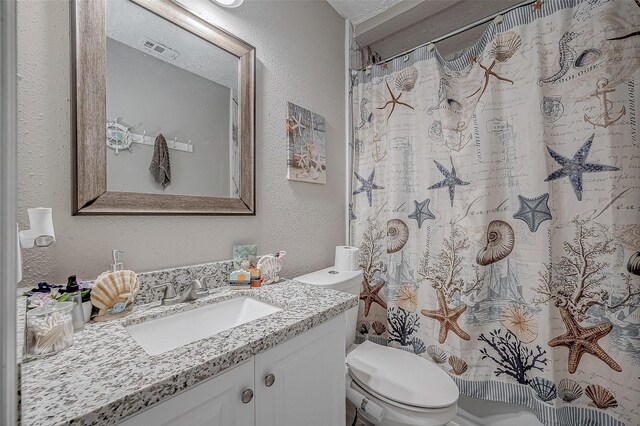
(270, 267)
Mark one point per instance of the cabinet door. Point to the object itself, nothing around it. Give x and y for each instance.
(309, 379)
(216, 402)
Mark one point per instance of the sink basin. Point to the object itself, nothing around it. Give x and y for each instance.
(170, 332)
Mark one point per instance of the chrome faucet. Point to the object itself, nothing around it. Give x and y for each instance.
(196, 290)
(170, 297)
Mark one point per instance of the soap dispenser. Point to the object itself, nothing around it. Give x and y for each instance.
(117, 261)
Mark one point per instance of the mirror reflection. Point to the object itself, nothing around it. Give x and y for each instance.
(172, 108)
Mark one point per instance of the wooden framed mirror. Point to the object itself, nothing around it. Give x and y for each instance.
(163, 107)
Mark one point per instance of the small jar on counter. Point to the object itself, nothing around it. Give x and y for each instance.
(49, 329)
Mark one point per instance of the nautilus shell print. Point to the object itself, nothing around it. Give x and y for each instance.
(500, 242)
(633, 265)
(397, 235)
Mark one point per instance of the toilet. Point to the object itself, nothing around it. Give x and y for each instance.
(391, 387)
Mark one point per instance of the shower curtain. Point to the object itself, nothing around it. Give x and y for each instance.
(496, 204)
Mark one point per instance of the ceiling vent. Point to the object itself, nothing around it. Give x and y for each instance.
(158, 49)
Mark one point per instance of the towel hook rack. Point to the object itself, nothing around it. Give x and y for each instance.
(120, 137)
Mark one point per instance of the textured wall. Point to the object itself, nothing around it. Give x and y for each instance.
(299, 58)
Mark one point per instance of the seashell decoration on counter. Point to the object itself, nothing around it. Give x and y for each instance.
(270, 266)
(397, 235)
(601, 397)
(500, 242)
(113, 293)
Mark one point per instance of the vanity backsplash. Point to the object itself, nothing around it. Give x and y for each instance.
(181, 278)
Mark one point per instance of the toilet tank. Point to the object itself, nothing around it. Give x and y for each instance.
(345, 281)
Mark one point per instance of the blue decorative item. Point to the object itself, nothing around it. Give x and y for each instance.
(118, 136)
(576, 166)
(421, 212)
(367, 185)
(117, 308)
(534, 211)
(450, 180)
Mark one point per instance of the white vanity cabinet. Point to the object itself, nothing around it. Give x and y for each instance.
(302, 381)
(299, 382)
(217, 401)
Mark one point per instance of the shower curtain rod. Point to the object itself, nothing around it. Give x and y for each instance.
(459, 30)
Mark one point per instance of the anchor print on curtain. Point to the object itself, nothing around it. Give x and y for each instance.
(496, 203)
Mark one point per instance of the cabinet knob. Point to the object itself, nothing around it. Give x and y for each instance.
(247, 396)
(269, 379)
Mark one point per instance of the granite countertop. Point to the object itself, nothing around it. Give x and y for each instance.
(105, 376)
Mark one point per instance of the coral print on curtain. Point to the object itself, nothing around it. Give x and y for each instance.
(496, 203)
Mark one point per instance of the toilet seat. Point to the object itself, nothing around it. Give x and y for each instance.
(400, 378)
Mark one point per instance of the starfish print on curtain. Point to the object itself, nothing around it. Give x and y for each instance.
(450, 180)
(577, 165)
(504, 46)
(369, 295)
(421, 212)
(367, 185)
(393, 102)
(581, 340)
(527, 212)
(447, 317)
(533, 211)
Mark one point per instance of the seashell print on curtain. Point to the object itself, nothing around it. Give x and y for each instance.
(496, 203)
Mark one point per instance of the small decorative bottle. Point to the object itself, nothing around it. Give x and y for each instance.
(75, 296)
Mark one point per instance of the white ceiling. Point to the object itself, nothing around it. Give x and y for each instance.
(129, 23)
(391, 27)
(358, 11)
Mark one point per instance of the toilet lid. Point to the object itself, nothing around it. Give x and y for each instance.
(401, 376)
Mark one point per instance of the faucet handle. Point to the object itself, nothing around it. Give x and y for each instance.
(170, 296)
(202, 282)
